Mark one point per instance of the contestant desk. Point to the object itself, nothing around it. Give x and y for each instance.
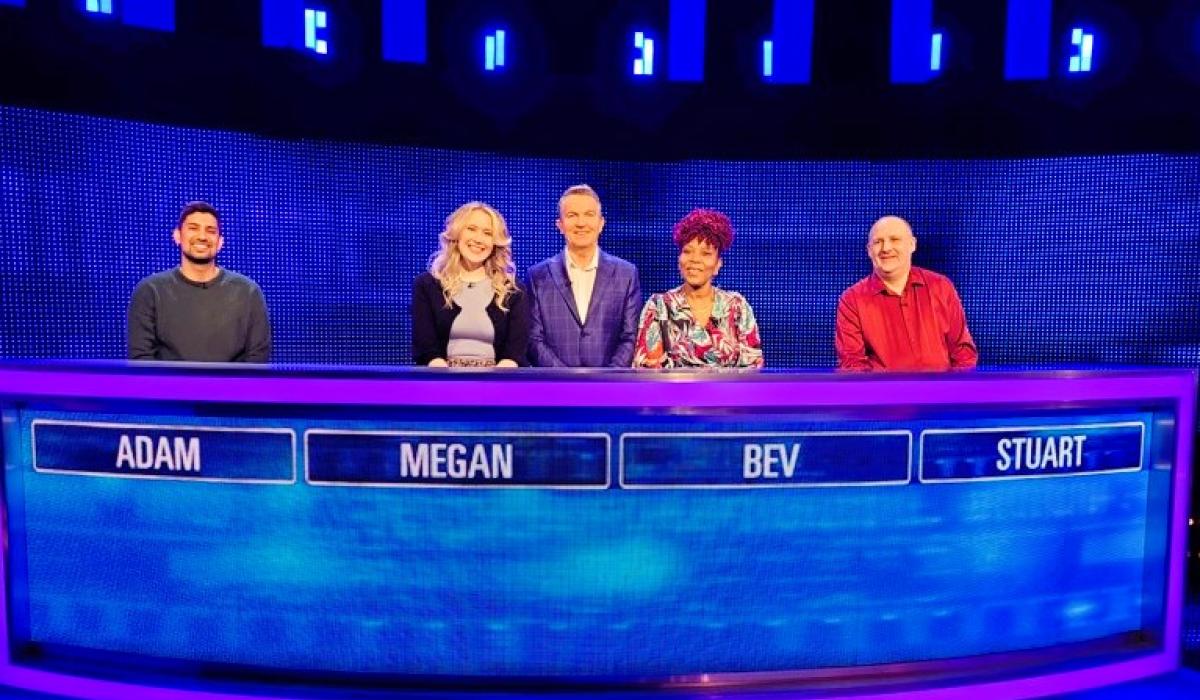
(249, 531)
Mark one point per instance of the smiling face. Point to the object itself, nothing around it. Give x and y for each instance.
(199, 237)
(580, 221)
(890, 246)
(477, 239)
(699, 262)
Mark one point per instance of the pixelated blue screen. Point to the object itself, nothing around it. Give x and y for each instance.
(609, 582)
(1069, 260)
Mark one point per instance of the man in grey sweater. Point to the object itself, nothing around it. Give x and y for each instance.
(199, 312)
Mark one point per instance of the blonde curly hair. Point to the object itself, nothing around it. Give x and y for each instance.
(446, 264)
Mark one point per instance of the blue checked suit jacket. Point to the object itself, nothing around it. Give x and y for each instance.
(558, 339)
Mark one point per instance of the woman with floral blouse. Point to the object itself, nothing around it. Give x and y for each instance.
(697, 324)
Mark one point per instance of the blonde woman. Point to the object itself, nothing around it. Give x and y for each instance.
(468, 310)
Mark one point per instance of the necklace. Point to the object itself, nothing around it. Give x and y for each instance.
(474, 276)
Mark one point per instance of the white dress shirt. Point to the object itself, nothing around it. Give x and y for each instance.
(583, 280)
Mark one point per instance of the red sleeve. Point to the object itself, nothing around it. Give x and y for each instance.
(959, 343)
(848, 338)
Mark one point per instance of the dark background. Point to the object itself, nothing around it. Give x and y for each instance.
(568, 90)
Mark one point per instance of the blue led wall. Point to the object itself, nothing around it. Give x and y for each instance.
(1079, 260)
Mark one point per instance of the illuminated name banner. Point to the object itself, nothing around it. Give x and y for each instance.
(1020, 452)
(200, 453)
(467, 460)
(765, 460)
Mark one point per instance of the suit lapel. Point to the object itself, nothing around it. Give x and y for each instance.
(558, 272)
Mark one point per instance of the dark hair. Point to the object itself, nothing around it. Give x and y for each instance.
(708, 225)
(198, 207)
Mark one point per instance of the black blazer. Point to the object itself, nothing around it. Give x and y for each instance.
(431, 321)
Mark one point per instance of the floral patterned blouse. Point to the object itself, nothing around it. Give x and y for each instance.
(730, 339)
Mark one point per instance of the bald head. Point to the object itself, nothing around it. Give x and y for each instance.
(890, 223)
(890, 246)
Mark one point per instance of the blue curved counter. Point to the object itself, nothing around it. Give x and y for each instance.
(246, 531)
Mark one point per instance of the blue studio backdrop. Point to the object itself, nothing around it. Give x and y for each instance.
(1072, 260)
(1059, 261)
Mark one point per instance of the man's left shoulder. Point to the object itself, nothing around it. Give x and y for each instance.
(542, 268)
(933, 279)
(237, 279)
(620, 265)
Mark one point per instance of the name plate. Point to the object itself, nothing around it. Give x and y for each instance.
(197, 453)
(464, 460)
(971, 454)
(765, 460)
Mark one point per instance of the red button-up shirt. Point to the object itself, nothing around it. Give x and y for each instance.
(923, 329)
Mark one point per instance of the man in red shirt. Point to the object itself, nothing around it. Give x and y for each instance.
(901, 317)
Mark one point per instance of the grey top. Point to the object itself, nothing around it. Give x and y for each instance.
(174, 318)
(472, 333)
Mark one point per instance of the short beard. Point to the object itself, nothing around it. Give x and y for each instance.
(210, 260)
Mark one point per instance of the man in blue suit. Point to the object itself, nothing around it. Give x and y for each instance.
(585, 302)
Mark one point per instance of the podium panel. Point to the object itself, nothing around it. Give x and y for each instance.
(262, 531)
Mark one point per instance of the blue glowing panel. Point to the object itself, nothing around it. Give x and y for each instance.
(149, 14)
(327, 202)
(283, 24)
(494, 50)
(685, 48)
(404, 31)
(150, 451)
(787, 54)
(315, 22)
(12, 3)
(644, 63)
(1082, 45)
(1027, 40)
(912, 27)
(935, 53)
(292, 24)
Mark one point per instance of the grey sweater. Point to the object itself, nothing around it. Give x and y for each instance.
(174, 318)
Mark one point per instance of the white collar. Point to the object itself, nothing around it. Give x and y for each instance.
(592, 264)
